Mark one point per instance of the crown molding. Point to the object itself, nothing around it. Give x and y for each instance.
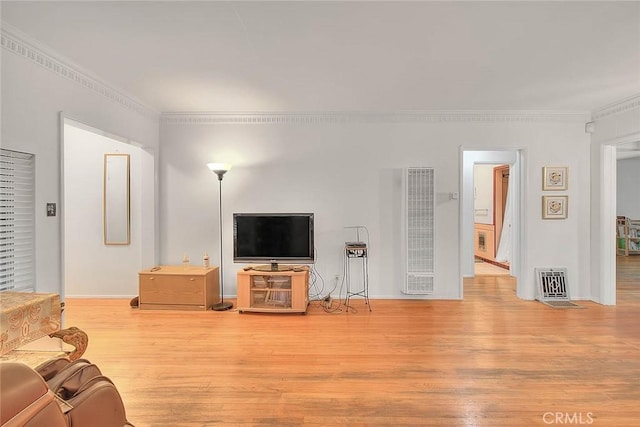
(20, 44)
(330, 117)
(618, 107)
(16, 42)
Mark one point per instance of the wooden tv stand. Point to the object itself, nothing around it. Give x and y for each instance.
(266, 291)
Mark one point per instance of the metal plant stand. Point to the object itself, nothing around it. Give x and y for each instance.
(357, 253)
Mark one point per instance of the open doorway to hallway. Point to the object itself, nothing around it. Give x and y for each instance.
(627, 218)
(516, 160)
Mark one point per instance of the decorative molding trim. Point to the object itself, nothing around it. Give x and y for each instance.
(29, 50)
(619, 107)
(13, 41)
(628, 138)
(329, 117)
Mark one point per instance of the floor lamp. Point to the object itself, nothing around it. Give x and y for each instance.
(220, 169)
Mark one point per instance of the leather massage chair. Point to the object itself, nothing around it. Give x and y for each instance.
(59, 393)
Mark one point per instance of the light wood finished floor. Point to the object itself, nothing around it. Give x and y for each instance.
(490, 360)
(488, 269)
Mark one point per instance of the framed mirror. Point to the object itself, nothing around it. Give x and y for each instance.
(117, 225)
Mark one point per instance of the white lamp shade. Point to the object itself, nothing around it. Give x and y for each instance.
(219, 167)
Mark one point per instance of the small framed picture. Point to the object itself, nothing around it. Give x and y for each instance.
(555, 207)
(555, 177)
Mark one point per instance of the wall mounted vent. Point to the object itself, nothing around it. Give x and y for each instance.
(552, 284)
(418, 230)
(553, 288)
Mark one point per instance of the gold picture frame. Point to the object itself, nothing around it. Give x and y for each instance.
(555, 207)
(555, 178)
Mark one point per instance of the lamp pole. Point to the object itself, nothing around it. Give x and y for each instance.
(220, 170)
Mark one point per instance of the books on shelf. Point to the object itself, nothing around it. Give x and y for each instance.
(627, 236)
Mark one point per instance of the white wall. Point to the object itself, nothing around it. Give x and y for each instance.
(628, 193)
(347, 172)
(483, 193)
(84, 250)
(33, 96)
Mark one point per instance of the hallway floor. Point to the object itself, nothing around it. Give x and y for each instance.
(487, 269)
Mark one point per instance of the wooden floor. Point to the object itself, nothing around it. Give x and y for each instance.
(490, 360)
(487, 269)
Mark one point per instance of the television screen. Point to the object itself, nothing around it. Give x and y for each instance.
(273, 237)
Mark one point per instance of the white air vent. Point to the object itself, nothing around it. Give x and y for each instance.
(552, 284)
(418, 218)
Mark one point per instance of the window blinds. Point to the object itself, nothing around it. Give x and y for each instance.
(17, 221)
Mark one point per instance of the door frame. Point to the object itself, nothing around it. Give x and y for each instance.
(516, 159)
(606, 293)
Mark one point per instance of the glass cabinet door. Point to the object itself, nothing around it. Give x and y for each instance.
(270, 291)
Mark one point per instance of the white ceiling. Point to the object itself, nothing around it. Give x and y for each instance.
(268, 56)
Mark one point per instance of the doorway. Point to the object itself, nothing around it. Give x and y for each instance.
(84, 251)
(628, 217)
(514, 158)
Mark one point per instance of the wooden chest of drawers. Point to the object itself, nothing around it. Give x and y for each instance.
(178, 288)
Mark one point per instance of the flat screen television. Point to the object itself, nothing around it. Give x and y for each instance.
(274, 238)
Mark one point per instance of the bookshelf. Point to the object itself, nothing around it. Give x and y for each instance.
(627, 236)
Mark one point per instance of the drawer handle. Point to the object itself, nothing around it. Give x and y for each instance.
(151, 278)
(191, 279)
